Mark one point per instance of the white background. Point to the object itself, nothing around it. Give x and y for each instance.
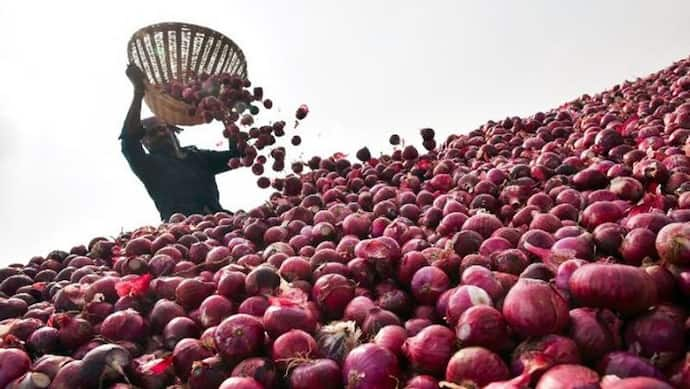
(365, 68)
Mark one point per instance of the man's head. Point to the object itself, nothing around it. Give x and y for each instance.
(160, 136)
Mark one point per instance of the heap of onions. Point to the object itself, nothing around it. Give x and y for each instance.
(549, 251)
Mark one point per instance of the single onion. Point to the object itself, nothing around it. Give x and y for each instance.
(430, 350)
(624, 364)
(317, 373)
(239, 336)
(673, 243)
(483, 325)
(392, 337)
(568, 376)
(475, 366)
(371, 366)
(623, 288)
(534, 308)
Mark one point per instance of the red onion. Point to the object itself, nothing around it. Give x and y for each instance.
(658, 333)
(619, 287)
(475, 366)
(293, 345)
(536, 355)
(601, 212)
(370, 366)
(358, 309)
(623, 365)
(568, 377)
(207, 373)
(392, 337)
(241, 383)
(239, 336)
(44, 340)
(637, 245)
(68, 376)
(284, 314)
(652, 220)
(485, 224)
(421, 382)
(13, 364)
(596, 331)
(482, 325)
(254, 305)
(378, 318)
(673, 243)
(565, 271)
(213, 310)
(263, 279)
(73, 332)
(318, 373)
(484, 279)
(511, 261)
(124, 325)
(463, 298)
(633, 383)
(430, 350)
(332, 293)
(263, 370)
(679, 373)
(428, 283)
(534, 308)
(413, 326)
(191, 292)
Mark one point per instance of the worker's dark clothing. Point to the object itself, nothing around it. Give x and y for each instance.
(186, 185)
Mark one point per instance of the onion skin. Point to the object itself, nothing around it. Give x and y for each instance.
(623, 288)
(476, 365)
(673, 243)
(370, 367)
(569, 377)
(534, 308)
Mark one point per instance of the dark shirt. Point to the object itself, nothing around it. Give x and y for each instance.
(186, 185)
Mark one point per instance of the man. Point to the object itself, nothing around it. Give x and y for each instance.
(178, 179)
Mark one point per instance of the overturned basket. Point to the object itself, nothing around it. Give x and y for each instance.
(173, 51)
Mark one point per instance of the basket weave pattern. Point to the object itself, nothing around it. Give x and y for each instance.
(174, 51)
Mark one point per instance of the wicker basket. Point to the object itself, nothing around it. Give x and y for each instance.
(173, 51)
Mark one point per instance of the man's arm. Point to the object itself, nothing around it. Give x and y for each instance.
(132, 130)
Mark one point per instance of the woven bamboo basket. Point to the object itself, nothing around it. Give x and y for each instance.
(174, 51)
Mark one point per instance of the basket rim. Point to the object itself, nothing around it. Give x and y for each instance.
(165, 26)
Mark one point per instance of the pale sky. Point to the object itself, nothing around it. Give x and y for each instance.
(365, 68)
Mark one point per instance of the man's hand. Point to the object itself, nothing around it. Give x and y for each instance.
(137, 77)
